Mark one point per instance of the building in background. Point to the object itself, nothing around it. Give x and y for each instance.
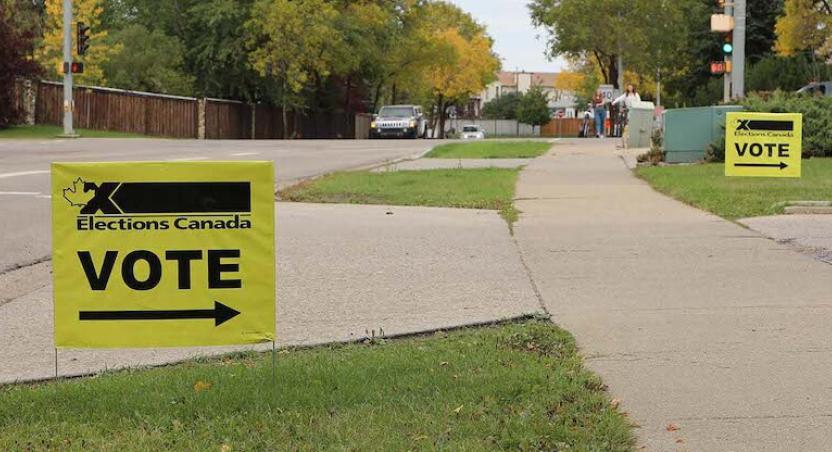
(561, 102)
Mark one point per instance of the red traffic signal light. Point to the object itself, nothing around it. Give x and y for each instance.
(82, 38)
(721, 67)
(74, 67)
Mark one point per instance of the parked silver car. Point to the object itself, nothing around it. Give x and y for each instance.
(399, 121)
(472, 132)
(817, 88)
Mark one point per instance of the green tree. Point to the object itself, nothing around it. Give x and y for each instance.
(50, 51)
(533, 107)
(292, 41)
(149, 61)
(597, 29)
(17, 33)
(805, 26)
(693, 84)
(503, 107)
(785, 73)
(216, 53)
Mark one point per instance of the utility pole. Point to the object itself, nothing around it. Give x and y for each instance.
(726, 97)
(658, 87)
(738, 74)
(620, 68)
(67, 67)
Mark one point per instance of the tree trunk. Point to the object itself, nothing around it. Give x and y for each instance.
(612, 63)
(285, 121)
(283, 103)
(376, 96)
(348, 96)
(394, 94)
(619, 81)
(441, 105)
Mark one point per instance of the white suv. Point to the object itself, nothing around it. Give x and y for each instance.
(399, 121)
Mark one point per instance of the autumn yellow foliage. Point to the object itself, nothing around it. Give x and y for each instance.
(802, 27)
(465, 67)
(50, 52)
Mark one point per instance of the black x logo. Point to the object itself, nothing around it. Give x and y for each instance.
(101, 201)
(743, 125)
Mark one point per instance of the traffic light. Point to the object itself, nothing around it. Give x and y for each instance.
(728, 45)
(74, 67)
(83, 45)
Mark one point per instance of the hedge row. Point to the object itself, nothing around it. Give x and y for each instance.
(817, 117)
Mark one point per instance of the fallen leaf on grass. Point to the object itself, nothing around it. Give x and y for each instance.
(200, 386)
(614, 403)
(458, 409)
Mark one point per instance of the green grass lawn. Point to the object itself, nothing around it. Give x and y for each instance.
(519, 386)
(486, 188)
(706, 187)
(490, 150)
(42, 131)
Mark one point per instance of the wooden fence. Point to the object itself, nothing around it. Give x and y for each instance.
(124, 111)
(227, 120)
(564, 127)
(162, 115)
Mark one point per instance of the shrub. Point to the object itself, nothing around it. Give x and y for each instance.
(655, 155)
(817, 117)
(785, 73)
(715, 153)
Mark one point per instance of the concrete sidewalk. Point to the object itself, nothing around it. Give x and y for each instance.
(712, 336)
(343, 271)
(809, 234)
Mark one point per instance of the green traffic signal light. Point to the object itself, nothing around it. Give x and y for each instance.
(727, 48)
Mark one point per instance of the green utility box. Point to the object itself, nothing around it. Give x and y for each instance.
(689, 131)
(640, 125)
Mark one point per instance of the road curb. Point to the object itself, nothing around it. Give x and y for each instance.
(368, 167)
(266, 347)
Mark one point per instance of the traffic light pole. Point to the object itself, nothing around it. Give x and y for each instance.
(726, 96)
(738, 74)
(67, 68)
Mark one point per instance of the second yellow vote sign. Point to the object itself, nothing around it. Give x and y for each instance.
(763, 144)
(163, 254)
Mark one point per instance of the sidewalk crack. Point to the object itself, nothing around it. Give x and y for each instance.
(528, 271)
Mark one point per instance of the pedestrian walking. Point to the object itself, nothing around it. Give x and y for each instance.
(600, 108)
(627, 101)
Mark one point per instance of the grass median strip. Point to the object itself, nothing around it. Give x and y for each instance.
(485, 188)
(706, 187)
(491, 150)
(45, 132)
(518, 386)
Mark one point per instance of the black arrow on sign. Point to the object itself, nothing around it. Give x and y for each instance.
(221, 314)
(781, 165)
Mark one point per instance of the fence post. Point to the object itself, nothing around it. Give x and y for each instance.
(253, 121)
(30, 97)
(200, 129)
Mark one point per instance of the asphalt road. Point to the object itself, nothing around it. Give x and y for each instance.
(24, 173)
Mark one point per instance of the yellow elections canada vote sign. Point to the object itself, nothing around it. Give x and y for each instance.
(150, 254)
(763, 144)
